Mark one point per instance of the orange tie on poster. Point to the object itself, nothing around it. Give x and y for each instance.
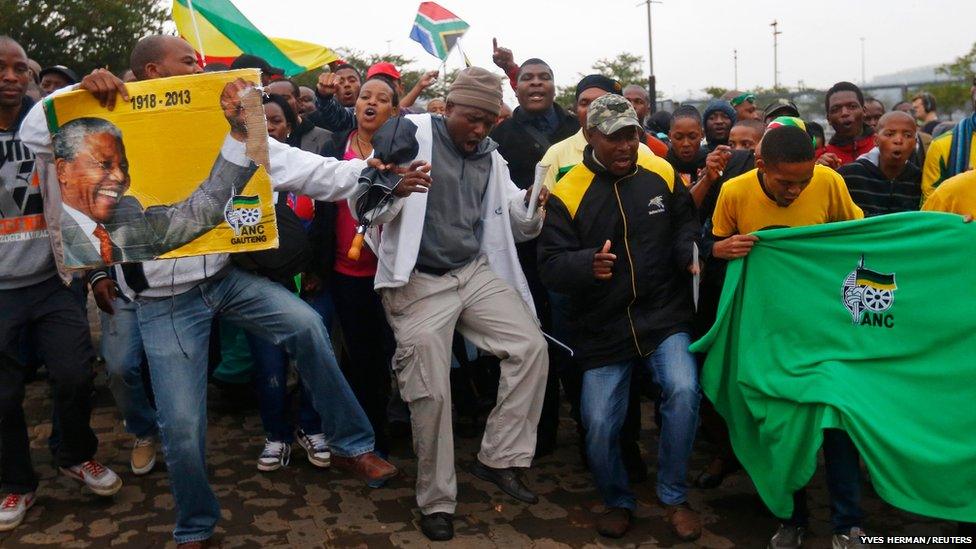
(105, 248)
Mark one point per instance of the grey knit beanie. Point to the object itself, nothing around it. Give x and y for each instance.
(477, 87)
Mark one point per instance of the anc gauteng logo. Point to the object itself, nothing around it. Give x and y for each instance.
(867, 291)
(242, 211)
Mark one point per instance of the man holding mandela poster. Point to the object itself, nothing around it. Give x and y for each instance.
(101, 224)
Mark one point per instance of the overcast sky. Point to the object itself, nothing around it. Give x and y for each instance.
(693, 39)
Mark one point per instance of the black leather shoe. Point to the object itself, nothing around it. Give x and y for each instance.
(506, 479)
(437, 526)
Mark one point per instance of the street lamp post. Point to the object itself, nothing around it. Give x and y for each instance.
(735, 68)
(863, 79)
(651, 81)
(776, 33)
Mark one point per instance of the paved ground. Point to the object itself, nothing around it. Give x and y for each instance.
(304, 507)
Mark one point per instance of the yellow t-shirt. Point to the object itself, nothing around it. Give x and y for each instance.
(743, 206)
(563, 156)
(955, 195)
(936, 162)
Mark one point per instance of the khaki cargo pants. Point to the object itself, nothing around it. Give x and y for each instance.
(491, 315)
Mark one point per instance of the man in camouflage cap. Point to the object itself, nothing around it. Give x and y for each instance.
(618, 239)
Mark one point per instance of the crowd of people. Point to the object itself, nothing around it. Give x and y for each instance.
(470, 298)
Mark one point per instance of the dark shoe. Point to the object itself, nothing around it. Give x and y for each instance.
(715, 473)
(369, 467)
(614, 522)
(437, 526)
(506, 479)
(684, 521)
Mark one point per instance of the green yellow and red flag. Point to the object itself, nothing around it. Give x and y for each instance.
(219, 33)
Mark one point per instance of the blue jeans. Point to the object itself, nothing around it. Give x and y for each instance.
(271, 383)
(175, 333)
(843, 472)
(606, 391)
(122, 351)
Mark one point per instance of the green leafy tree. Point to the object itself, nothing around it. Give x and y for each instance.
(626, 68)
(715, 91)
(963, 68)
(566, 96)
(81, 34)
(955, 95)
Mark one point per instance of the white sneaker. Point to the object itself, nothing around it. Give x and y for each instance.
(99, 478)
(315, 447)
(14, 509)
(275, 456)
(850, 540)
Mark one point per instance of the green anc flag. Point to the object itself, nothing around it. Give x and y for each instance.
(866, 326)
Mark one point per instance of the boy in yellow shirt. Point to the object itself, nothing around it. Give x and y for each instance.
(787, 189)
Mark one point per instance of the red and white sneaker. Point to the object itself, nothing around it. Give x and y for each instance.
(99, 478)
(13, 509)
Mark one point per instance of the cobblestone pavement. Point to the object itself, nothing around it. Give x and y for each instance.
(301, 506)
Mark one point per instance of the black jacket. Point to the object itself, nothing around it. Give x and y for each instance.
(321, 233)
(651, 222)
(522, 146)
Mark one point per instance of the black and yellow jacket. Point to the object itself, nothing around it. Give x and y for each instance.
(651, 223)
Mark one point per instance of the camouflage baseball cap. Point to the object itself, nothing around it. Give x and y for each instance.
(610, 113)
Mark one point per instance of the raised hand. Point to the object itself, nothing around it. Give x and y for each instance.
(230, 102)
(328, 84)
(427, 79)
(502, 57)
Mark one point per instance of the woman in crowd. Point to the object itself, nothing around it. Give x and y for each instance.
(368, 338)
(685, 135)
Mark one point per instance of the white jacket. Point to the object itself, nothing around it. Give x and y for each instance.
(503, 223)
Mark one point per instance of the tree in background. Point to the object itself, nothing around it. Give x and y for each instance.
(626, 68)
(715, 91)
(81, 34)
(955, 95)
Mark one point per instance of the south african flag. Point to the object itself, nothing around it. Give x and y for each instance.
(437, 29)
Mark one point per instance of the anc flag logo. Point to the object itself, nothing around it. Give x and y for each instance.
(867, 290)
(242, 211)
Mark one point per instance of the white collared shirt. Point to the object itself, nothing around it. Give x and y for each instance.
(86, 224)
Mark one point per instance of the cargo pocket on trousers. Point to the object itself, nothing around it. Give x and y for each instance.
(410, 374)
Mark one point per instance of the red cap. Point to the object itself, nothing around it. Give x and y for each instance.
(385, 68)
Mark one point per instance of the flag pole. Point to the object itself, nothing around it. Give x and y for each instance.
(196, 30)
(467, 63)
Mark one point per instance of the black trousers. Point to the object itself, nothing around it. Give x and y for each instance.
(370, 344)
(59, 332)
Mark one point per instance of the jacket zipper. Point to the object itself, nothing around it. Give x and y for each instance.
(630, 259)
